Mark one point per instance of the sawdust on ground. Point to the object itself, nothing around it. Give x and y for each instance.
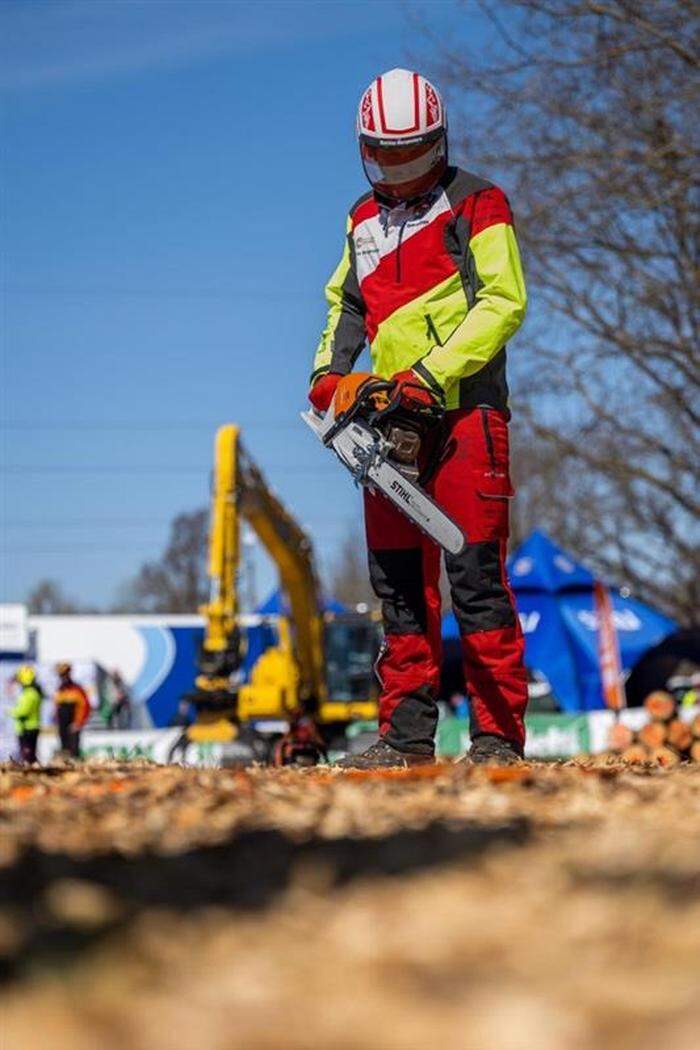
(582, 932)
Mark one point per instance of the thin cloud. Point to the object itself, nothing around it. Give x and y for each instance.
(47, 44)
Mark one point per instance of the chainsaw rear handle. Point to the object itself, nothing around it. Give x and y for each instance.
(426, 413)
(370, 389)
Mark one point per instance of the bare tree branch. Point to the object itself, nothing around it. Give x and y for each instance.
(594, 134)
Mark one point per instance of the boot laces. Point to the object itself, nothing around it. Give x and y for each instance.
(376, 750)
(495, 745)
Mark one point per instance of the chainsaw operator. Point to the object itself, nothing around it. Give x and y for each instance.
(430, 277)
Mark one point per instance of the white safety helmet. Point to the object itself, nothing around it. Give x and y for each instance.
(402, 128)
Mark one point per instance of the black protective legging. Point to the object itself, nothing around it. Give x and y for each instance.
(27, 745)
(70, 738)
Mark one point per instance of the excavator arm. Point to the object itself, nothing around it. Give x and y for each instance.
(290, 549)
(290, 679)
(221, 650)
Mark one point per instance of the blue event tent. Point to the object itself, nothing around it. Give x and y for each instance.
(277, 604)
(554, 595)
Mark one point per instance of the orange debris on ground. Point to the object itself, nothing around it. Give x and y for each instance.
(271, 909)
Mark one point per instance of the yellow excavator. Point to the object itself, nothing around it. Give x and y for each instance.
(319, 676)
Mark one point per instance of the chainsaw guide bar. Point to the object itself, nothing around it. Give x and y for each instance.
(365, 452)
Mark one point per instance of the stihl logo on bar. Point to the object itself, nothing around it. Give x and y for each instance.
(398, 487)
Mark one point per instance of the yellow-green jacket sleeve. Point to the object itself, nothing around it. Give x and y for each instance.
(497, 313)
(344, 336)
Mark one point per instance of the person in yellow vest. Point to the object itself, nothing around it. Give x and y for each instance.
(72, 710)
(27, 713)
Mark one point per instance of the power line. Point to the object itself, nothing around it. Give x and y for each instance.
(85, 523)
(227, 294)
(111, 469)
(57, 523)
(90, 547)
(155, 427)
(75, 548)
(150, 469)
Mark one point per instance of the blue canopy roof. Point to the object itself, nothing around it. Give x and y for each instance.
(539, 565)
(276, 604)
(554, 597)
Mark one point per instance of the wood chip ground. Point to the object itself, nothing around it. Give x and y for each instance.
(548, 907)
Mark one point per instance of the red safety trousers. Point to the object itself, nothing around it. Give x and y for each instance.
(472, 484)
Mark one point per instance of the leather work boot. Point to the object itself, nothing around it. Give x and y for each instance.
(381, 755)
(490, 750)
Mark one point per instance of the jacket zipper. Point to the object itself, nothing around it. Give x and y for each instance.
(489, 438)
(432, 330)
(398, 251)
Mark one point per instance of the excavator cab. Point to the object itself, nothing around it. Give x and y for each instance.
(351, 647)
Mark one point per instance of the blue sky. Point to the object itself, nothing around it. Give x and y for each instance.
(175, 179)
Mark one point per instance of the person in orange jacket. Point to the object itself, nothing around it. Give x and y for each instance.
(72, 710)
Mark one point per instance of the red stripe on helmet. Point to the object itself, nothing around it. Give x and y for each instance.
(432, 105)
(380, 103)
(416, 110)
(367, 116)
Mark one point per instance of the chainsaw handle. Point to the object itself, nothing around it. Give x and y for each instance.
(377, 386)
(383, 386)
(396, 390)
(390, 387)
(369, 389)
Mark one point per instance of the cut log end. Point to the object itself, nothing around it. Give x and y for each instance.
(660, 705)
(680, 735)
(621, 737)
(635, 755)
(653, 734)
(665, 756)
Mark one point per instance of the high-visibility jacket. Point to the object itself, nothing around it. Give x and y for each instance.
(27, 711)
(435, 286)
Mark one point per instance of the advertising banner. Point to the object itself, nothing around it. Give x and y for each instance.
(162, 746)
(14, 629)
(548, 736)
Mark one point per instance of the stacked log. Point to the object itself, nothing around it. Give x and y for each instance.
(661, 706)
(665, 740)
(621, 737)
(653, 735)
(679, 735)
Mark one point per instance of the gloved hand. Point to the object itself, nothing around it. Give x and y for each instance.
(413, 389)
(323, 390)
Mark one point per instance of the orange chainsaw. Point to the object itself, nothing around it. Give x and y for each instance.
(376, 431)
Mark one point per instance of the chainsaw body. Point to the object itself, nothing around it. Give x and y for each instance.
(379, 442)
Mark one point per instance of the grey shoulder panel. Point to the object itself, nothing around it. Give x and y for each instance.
(462, 184)
(359, 201)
